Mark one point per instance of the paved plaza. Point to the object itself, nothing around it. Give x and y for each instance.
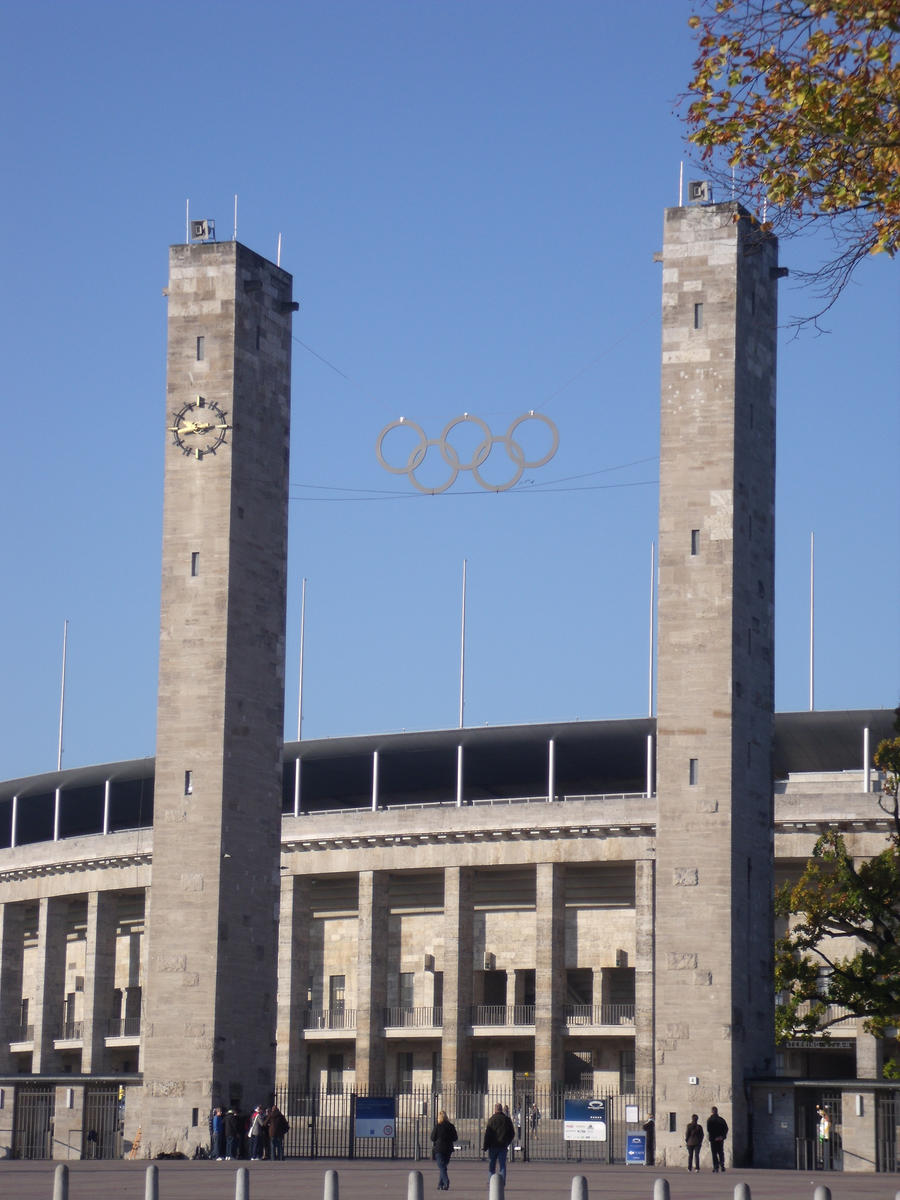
(373, 1180)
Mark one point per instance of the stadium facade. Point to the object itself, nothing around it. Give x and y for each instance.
(530, 912)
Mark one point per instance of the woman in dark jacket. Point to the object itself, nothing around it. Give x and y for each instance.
(443, 1139)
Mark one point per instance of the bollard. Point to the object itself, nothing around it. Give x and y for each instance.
(415, 1188)
(151, 1183)
(331, 1185)
(822, 1192)
(742, 1191)
(495, 1190)
(61, 1182)
(579, 1188)
(661, 1189)
(242, 1184)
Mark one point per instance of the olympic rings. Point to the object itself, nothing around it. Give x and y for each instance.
(479, 456)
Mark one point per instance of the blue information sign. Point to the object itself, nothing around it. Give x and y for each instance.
(375, 1117)
(636, 1148)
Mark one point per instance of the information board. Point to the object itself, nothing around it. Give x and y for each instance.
(585, 1121)
(375, 1117)
(636, 1148)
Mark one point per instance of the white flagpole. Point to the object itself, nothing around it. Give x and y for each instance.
(462, 652)
(812, 619)
(652, 627)
(62, 696)
(300, 697)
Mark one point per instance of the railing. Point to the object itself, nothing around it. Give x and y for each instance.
(71, 1031)
(413, 1018)
(450, 802)
(24, 1033)
(123, 1027)
(502, 1014)
(599, 1014)
(329, 1018)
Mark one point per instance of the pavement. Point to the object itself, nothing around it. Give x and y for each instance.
(370, 1179)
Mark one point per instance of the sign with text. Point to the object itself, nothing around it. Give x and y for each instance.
(585, 1121)
(636, 1148)
(375, 1116)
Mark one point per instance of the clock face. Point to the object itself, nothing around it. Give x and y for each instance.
(199, 427)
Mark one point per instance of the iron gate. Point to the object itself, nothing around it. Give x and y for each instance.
(812, 1153)
(33, 1121)
(322, 1123)
(102, 1125)
(886, 1113)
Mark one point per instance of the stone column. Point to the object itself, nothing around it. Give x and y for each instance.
(145, 975)
(293, 976)
(371, 981)
(456, 1051)
(99, 978)
(50, 979)
(858, 1129)
(550, 973)
(644, 915)
(11, 948)
(869, 1054)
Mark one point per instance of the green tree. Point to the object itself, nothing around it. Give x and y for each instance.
(843, 947)
(795, 104)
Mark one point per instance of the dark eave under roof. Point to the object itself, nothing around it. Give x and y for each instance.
(804, 741)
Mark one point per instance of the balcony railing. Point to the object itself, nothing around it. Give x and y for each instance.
(123, 1027)
(502, 1014)
(413, 1018)
(599, 1014)
(71, 1031)
(23, 1033)
(329, 1018)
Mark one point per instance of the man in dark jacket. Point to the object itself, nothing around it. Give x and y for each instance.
(717, 1128)
(499, 1133)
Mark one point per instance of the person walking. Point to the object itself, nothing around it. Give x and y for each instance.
(693, 1139)
(717, 1128)
(443, 1141)
(498, 1134)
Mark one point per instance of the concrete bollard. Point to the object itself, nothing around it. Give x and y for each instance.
(151, 1183)
(822, 1192)
(61, 1182)
(742, 1191)
(242, 1184)
(661, 1189)
(579, 1188)
(495, 1190)
(331, 1185)
(415, 1188)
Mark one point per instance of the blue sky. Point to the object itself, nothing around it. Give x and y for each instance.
(470, 196)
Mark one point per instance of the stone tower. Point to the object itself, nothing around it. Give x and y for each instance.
(714, 880)
(210, 1007)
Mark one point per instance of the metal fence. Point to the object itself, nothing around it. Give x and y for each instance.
(887, 1112)
(322, 1124)
(33, 1121)
(102, 1125)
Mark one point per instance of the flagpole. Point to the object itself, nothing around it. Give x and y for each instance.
(300, 697)
(812, 619)
(462, 651)
(652, 630)
(62, 696)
